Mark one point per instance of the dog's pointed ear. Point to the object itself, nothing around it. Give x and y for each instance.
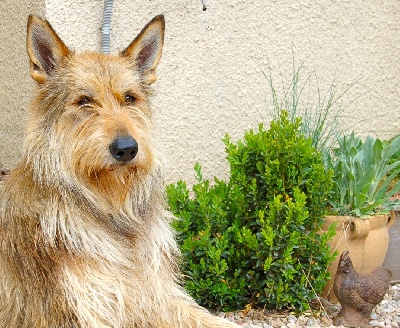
(45, 49)
(146, 49)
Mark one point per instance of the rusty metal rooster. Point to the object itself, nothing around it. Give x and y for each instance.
(358, 294)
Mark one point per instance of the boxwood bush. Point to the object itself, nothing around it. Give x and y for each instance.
(254, 241)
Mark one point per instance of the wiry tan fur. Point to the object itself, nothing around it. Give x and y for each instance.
(85, 240)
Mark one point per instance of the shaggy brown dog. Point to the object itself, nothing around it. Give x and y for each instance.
(85, 240)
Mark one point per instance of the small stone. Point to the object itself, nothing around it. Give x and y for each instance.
(265, 325)
(388, 322)
(291, 318)
(241, 314)
(301, 321)
(388, 308)
(376, 323)
(326, 321)
(230, 316)
(374, 316)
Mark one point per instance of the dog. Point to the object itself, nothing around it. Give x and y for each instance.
(85, 236)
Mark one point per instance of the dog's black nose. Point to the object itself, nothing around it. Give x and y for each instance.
(124, 148)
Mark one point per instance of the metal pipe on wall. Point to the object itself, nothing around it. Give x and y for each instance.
(106, 26)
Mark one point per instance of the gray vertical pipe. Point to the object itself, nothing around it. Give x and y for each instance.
(106, 26)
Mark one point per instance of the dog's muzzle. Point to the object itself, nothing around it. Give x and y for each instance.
(124, 148)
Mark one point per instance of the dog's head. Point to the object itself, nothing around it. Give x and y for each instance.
(91, 119)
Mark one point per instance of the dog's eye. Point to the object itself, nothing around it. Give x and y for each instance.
(84, 101)
(129, 99)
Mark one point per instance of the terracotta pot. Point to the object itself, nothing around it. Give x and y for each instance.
(366, 239)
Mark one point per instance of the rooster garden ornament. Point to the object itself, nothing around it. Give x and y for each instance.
(358, 294)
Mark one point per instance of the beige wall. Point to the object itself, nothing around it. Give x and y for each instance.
(211, 76)
(15, 85)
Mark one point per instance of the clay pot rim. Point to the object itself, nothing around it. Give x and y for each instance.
(375, 221)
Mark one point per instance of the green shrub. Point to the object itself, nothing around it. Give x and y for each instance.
(255, 240)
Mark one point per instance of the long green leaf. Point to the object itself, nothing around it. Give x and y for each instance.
(362, 173)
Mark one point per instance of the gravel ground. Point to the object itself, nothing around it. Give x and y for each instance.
(386, 314)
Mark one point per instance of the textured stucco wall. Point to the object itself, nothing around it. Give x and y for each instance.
(15, 84)
(211, 75)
